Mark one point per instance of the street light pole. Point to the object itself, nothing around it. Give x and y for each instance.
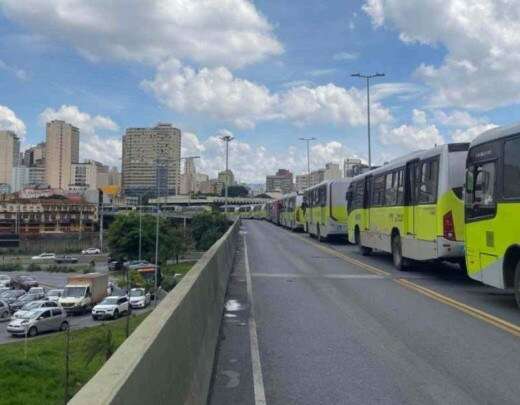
(367, 78)
(226, 139)
(140, 227)
(307, 140)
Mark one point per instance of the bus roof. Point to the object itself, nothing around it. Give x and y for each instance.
(496, 133)
(339, 180)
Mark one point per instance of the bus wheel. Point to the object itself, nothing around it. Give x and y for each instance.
(400, 263)
(365, 251)
(517, 284)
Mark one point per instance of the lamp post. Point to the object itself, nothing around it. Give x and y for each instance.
(367, 78)
(226, 139)
(140, 227)
(307, 140)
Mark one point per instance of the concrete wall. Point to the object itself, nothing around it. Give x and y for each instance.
(169, 358)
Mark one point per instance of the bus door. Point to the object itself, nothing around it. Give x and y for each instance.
(366, 203)
(410, 197)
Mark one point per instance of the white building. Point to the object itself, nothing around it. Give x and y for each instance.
(20, 178)
(88, 175)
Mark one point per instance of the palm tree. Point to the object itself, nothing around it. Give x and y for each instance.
(100, 344)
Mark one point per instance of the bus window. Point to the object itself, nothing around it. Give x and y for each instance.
(480, 190)
(400, 187)
(427, 177)
(378, 193)
(512, 169)
(391, 189)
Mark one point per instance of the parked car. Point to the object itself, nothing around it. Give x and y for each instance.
(4, 310)
(24, 282)
(34, 305)
(5, 281)
(65, 259)
(139, 298)
(25, 299)
(115, 265)
(39, 320)
(54, 294)
(136, 264)
(44, 256)
(91, 251)
(36, 290)
(111, 307)
(11, 296)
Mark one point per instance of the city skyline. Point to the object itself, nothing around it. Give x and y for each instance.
(440, 85)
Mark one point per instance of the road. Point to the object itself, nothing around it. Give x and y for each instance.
(311, 323)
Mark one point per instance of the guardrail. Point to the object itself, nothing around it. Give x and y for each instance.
(169, 358)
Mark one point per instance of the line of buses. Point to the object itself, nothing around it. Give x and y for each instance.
(457, 202)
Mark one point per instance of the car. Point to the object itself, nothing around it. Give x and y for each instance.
(136, 264)
(24, 299)
(44, 256)
(115, 265)
(139, 298)
(5, 281)
(54, 294)
(11, 296)
(111, 307)
(24, 282)
(4, 310)
(39, 320)
(91, 251)
(36, 290)
(65, 259)
(34, 305)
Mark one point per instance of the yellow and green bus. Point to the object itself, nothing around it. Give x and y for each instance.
(291, 214)
(493, 209)
(411, 207)
(325, 209)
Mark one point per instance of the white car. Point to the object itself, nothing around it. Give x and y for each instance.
(44, 256)
(22, 313)
(91, 251)
(139, 298)
(54, 294)
(36, 290)
(111, 307)
(5, 281)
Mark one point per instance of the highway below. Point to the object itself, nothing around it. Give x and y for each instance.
(311, 323)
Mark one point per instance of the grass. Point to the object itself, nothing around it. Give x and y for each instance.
(181, 268)
(39, 378)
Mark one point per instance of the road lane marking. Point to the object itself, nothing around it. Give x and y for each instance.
(318, 275)
(346, 258)
(469, 310)
(258, 380)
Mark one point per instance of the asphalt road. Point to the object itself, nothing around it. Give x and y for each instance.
(324, 325)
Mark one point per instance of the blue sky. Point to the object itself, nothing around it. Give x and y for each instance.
(266, 71)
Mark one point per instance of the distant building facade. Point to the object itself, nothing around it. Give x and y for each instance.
(227, 177)
(281, 181)
(330, 172)
(88, 175)
(353, 167)
(151, 161)
(61, 151)
(9, 155)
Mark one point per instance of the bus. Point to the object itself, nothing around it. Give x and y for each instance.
(291, 215)
(258, 211)
(412, 207)
(325, 209)
(492, 202)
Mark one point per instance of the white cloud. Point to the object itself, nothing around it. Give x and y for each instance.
(9, 121)
(322, 72)
(229, 32)
(223, 96)
(458, 119)
(480, 69)
(384, 90)
(18, 73)
(215, 91)
(106, 149)
(419, 117)
(469, 134)
(342, 56)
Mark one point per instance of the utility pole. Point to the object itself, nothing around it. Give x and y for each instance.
(80, 222)
(367, 78)
(226, 139)
(307, 140)
(140, 227)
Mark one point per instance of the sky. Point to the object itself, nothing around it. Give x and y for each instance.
(266, 71)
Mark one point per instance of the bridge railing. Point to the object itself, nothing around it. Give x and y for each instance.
(169, 358)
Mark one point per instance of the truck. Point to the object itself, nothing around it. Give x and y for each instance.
(83, 292)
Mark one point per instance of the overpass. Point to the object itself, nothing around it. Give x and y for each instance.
(273, 317)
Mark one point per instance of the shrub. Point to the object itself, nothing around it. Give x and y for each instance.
(34, 267)
(10, 267)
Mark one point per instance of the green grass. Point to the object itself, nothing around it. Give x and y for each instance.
(181, 268)
(39, 378)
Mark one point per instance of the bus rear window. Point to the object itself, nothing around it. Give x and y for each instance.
(456, 170)
(512, 169)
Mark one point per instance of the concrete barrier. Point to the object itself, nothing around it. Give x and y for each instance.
(169, 358)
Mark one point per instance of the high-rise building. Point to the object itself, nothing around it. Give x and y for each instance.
(151, 161)
(9, 155)
(282, 181)
(88, 175)
(189, 177)
(61, 151)
(114, 177)
(227, 177)
(35, 156)
(352, 167)
(330, 172)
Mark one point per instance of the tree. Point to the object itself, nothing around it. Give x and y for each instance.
(207, 228)
(123, 238)
(236, 191)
